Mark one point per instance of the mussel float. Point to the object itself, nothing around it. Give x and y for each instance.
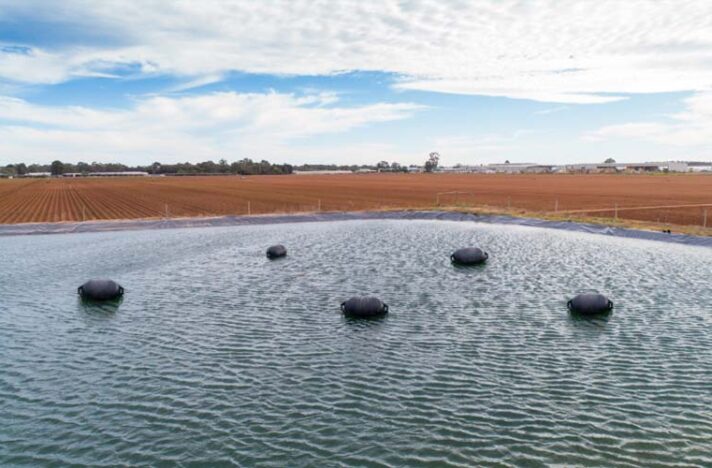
(469, 256)
(590, 304)
(100, 290)
(364, 307)
(276, 251)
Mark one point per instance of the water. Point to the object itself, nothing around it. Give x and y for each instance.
(217, 356)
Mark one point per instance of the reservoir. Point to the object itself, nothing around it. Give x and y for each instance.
(219, 356)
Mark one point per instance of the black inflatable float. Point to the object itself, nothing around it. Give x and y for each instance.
(276, 251)
(590, 304)
(364, 307)
(469, 256)
(100, 290)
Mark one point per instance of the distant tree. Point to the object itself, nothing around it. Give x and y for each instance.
(506, 162)
(21, 169)
(223, 166)
(383, 166)
(56, 168)
(609, 161)
(68, 167)
(83, 167)
(262, 167)
(156, 168)
(207, 167)
(432, 163)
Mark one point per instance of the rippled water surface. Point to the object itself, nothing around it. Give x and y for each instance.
(218, 356)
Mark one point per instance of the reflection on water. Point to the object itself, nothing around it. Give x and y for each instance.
(598, 320)
(100, 308)
(217, 356)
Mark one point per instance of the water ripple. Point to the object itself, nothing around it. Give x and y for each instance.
(217, 356)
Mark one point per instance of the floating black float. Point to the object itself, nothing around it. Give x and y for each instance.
(469, 256)
(364, 307)
(100, 290)
(590, 304)
(276, 251)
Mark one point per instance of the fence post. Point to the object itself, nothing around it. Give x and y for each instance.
(84, 217)
(616, 215)
(318, 208)
(704, 218)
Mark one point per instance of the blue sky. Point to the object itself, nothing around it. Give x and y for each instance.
(355, 82)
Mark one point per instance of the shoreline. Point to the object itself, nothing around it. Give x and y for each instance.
(488, 216)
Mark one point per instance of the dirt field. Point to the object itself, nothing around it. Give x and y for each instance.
(674, 199)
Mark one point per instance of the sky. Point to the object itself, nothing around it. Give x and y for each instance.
(355, 82)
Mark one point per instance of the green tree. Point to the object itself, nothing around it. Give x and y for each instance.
(383, 166)
(56, 168)
(432, 163)
(609, 161)
(83, 167)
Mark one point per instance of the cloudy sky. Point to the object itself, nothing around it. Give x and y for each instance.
(355, 81)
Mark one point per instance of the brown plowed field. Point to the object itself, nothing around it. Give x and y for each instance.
(674, 199)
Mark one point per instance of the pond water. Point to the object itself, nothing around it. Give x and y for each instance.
(217, 356)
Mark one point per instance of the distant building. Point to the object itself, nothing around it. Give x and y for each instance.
(107, 174)
(645, 167)
(465, 169)
(324, 172)
(689, 166)
(700, 166)
(519, 168)
(38, 174)
(678, 166)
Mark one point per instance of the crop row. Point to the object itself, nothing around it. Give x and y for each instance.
(53, 200)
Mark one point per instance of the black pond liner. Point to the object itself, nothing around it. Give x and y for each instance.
(102, 226)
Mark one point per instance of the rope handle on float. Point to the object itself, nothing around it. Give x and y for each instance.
(568, 304)
(343, 307)
(610, 304)
(385, 308)
(80, 289)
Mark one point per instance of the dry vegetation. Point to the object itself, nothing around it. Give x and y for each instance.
(664, 199)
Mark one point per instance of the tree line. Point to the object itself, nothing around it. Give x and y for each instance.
(244, 166)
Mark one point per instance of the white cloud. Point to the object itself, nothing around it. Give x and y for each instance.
(546, 50)
(690, 128)
(231, 125)
(551, 110)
